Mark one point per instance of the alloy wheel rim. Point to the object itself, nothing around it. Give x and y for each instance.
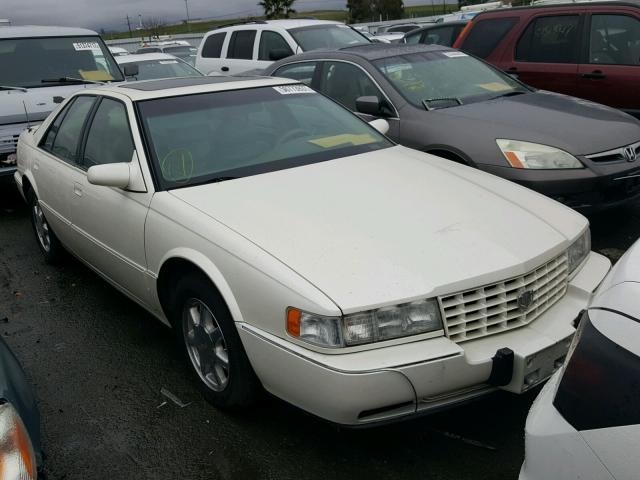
(42, 228)
(205, 344)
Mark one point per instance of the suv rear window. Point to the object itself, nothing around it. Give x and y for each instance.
(486, 34)
(550, 40)
(213, 45)
(241, 44)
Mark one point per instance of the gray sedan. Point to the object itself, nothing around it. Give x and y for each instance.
(448, 103)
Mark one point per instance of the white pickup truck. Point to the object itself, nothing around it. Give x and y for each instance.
(40, 67)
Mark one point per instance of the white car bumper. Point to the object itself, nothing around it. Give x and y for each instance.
(554, 449)
(395, 381)
(8, 142)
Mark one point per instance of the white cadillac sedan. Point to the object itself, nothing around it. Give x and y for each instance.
(292, 246)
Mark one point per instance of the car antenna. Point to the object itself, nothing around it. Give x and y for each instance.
(26, 113)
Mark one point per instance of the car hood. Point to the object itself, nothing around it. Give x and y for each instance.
(32, 106)
(577, 126)
(391, 225)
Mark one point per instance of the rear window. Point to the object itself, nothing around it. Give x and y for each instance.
(327, 36)
(485, 35)
(241, 45)
(213, 45)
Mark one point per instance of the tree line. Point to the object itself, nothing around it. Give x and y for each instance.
(367, 10)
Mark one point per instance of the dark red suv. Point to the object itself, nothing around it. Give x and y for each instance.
(588, 50)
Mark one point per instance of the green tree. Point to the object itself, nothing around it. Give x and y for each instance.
(277, 8)
(389, 9)
(359, 10)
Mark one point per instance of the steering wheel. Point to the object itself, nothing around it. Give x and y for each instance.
(291, 134)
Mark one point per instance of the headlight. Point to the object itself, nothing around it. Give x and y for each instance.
(532, 155)
(366, 327)
(17, 459)
(579, 250)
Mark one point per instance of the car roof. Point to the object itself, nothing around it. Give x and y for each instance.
(438, 25)
(286, 23)
(171, 87)
(144, 57)
(370, 51)
(505, 12)
(29, 31)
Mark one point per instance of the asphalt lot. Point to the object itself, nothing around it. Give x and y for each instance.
(98, 363)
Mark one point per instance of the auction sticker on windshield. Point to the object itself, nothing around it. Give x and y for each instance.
(80, 46)
(455, 54)
(293, 89)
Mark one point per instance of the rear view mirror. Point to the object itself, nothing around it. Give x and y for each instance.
(279, 54)
(381, 125)
(110, 175)
(130, 69)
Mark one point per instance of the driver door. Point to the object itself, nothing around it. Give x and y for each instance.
(109, 222)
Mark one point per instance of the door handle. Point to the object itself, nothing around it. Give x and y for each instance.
(225, 69)
(77, 189)
(595, 75)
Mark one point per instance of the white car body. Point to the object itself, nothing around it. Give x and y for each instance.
(333, 238)
(119, 51)
(591, 448)
(222, 64)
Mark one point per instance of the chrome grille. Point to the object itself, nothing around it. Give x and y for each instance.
(616, 155)
(8, 144)
(495, 308)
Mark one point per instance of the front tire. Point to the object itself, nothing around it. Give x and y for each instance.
(209, 340)
(48, 242)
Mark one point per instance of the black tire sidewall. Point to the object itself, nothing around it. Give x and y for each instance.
(243, 385)
(56, 251)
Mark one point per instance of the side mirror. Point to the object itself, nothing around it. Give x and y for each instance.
(115, 175)
(279, 54)
(130, 69)
(369, 105)
(381, 125)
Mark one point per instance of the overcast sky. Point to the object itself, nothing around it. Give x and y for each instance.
(111, 14)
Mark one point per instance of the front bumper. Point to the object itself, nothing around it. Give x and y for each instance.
(553, 448)
(597, 187)
(392, 382)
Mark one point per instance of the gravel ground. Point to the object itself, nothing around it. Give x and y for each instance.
(98, 363)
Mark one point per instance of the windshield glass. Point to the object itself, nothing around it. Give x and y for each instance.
(179, 49)
(218, 136)
(152, 69)
(326, 36)
(25, 62)
(445, 78)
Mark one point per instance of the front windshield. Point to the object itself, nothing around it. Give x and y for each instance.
(446, 78)
(327, 36)
(26, 62)
(152, 69)
(217, 136)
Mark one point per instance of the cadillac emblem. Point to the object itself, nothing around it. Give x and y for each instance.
(525, 299)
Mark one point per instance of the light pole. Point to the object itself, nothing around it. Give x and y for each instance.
(186, 5)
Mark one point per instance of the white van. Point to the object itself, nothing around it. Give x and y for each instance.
(240, 47)
(39, 66)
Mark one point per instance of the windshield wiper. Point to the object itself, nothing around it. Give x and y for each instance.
(70, 80)
(208, 180)
(509, 94)
(444, 102)
(9, 87)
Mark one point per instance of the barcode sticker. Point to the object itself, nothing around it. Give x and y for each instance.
(86, 46)
(292, 89)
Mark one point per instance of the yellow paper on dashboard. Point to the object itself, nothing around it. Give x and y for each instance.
(334, 141)
(494, 86)
(95, 75)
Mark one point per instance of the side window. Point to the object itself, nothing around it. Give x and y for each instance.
(65, 144)
(303, 72)
(241, 44)
(550, 40)
(47, 141)
(414, 38)
(109, 139)
(439, 36)
(485, 35)
(614, 40)
(345, 83)
(213, 45)
(273, 46)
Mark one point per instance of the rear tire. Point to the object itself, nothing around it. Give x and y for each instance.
(48, 242)
(209, 340)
